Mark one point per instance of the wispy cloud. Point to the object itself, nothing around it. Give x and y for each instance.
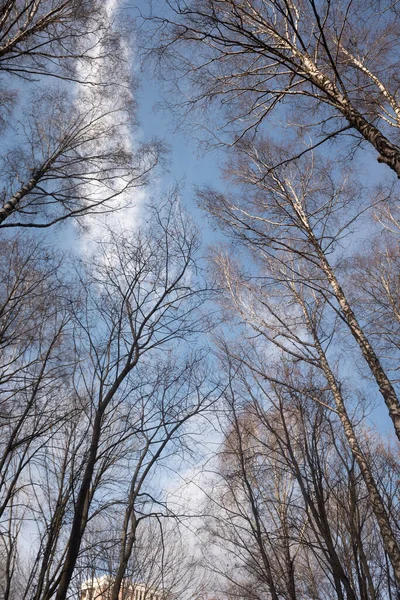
(110, 91)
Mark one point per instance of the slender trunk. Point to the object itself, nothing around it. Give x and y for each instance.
(128, 540)
(338, 573)
(389, 154)
(355, 537)
(385, 387)
(291, 576)
(366, 571)
(127, 543)
(82, 504)
(13, 203)
(388, 537)
(81, 511)
(54, 530)
(256, 528)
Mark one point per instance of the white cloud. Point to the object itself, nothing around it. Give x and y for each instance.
(112, 102)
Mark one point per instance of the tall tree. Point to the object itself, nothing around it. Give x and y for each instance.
(289, 512)
(329, 67)
(141, 296)
(69, 149)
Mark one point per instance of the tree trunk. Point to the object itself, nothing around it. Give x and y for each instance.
(388, 537)
(385, 387)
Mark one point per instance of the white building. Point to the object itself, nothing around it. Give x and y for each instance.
(99, 588)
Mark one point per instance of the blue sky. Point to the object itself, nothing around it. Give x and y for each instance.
(186, 163)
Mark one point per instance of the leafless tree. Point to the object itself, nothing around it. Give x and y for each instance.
(372, 275)
(295, 270)
(100, 375)
(288, 504)
(141, 296)
(302, 332)
(320, 69)
(47, 37)
(71, 150)
(161, 565)
(305, 212)
(34, 357)
(74, 159)
(177, 395)
(99, 362)
(324, 66)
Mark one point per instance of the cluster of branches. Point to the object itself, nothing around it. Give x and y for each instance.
(305, 496)
(289, 512)
(67, 147)
(96, 399)
(100, 370)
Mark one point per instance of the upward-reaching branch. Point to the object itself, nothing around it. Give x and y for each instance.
(255, 55)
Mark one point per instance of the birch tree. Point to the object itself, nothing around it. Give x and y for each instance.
(326, 67)
(68, 137)
(287, 508)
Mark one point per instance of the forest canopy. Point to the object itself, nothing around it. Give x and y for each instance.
(190, 410)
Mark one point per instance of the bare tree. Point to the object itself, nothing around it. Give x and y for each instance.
(46, 37)
(302, 212)
(287, 498)
(303, 333)
(98, 386)
(71, 152)
(161, 566)
(141, 295)
(74, 159)
(323, 65)
(328, 67)
(178, 393)
(372, 276)
(34, 358)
